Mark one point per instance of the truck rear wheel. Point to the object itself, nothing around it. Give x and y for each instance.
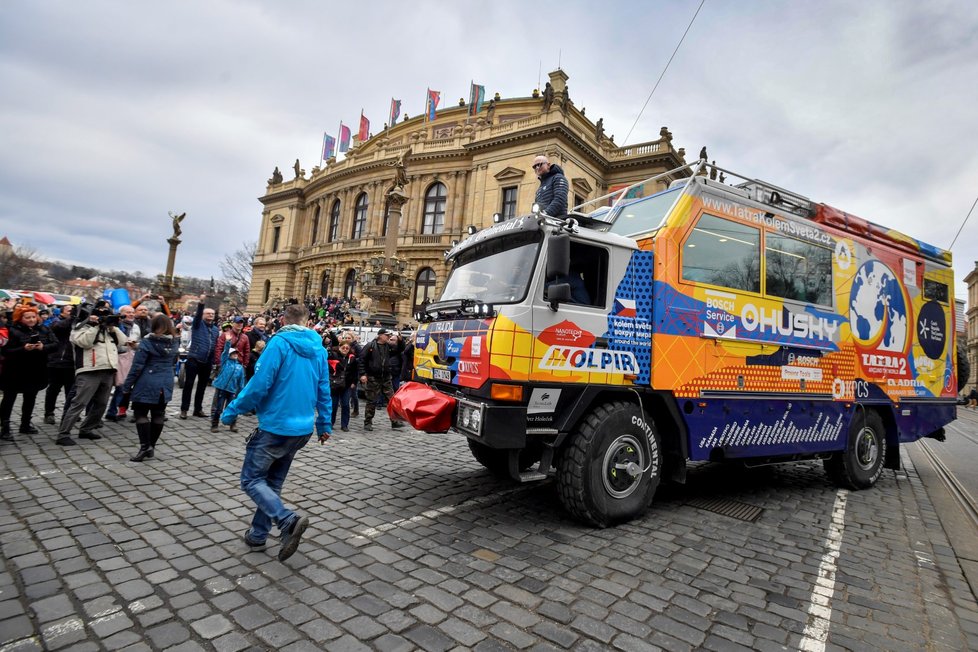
(610, 468)
(859, 466)
(496, 460)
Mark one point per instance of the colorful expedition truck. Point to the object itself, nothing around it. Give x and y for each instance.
(704, 321)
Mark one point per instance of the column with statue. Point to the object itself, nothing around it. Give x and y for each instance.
(383, 279)
(168, 284)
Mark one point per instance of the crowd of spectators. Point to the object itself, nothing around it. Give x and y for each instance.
(41, 347)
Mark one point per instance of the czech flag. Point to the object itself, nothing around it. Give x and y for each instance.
(625, 308)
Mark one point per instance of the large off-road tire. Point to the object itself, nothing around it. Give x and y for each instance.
(611, 465)
(496, 460)
(859, 466)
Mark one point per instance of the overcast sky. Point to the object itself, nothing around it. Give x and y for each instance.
(115, 112)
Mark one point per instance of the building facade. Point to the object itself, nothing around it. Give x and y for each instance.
(318, 233)
(970, 340)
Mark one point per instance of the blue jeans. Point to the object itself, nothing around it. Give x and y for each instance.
(219, 401)
(341, 406)
(266, 463)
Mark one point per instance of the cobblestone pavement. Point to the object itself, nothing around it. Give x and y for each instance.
(412, 545)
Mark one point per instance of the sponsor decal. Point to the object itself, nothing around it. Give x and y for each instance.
(783, 321)
(843, 256)
(801, 373)
(909, 273)
(543, 401)
(567, 332)
(574, 358)
(932, 330)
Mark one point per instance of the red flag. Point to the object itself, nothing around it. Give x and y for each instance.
(364, 128)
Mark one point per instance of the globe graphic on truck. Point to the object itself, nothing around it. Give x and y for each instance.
(878, 309)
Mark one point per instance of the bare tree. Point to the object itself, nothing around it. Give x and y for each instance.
(236, 267)
(20, 268)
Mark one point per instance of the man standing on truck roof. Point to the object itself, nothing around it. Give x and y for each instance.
(552, 193)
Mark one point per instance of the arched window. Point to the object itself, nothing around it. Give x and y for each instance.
(349, 284)
(315, 226)
(334, 221)
(324, 284)
(359, 216)
(266, 291)
(434, 209)
(424, 287)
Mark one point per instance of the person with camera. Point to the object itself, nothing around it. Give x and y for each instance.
(97, 340)
(150, 383)
(119, 403)
(25, 367)
(61, 364)
(203, 343)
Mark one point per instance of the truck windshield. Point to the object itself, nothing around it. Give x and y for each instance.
(495, 271)
(641, 215)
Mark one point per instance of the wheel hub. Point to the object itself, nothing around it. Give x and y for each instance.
(867, 449)
(623, 464)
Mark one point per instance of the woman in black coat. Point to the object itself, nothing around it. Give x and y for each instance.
(342, 376)
(25, 357)
(150, 383)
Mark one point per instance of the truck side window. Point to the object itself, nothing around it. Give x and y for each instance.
(588, 275)
(722, 252)
(797, 270)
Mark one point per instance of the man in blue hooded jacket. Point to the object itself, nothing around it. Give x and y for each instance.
(290, 392)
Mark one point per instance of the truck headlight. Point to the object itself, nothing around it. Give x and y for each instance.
(470, 417)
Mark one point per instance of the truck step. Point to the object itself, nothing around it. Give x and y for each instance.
(532, 475)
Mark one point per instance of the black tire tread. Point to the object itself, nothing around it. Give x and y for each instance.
(570, 476)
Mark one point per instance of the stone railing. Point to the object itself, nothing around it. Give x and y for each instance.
(641, 149)
(429, 238)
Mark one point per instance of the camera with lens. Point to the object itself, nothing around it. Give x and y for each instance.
(103, 311)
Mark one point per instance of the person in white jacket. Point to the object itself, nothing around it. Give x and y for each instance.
(97, 344)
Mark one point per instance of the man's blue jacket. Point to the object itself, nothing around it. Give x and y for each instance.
(203, 338)
(290, 388)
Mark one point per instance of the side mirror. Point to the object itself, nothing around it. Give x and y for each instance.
(557, 294)
(558, 256)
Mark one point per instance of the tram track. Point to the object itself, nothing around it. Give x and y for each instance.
(957, 490)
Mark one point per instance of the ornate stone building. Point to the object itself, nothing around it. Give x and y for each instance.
(319, 234)
(970, 340)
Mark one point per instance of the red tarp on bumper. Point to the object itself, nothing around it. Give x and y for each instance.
(421, 406)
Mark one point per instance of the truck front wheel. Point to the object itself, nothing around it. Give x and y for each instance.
(610, 467)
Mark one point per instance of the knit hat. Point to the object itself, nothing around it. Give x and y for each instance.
(22, 310)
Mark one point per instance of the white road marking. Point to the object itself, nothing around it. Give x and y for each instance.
(820, 610)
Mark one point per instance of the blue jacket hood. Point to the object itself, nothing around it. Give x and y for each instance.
(303, 341)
